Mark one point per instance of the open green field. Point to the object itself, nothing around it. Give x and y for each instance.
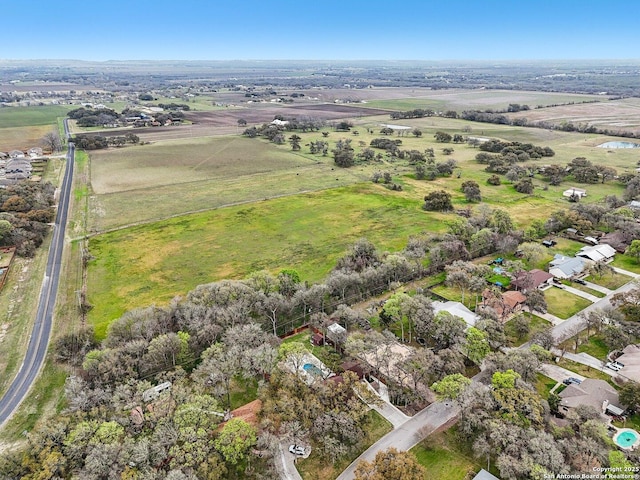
(152, 263)
(23, 127)
(32, 116)
(564, 304)
(306, 224)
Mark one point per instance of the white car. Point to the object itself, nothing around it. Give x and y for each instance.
(613, 366)
(296, 449)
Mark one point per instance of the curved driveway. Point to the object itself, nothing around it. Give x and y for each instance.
(408, 434)
(39, 340)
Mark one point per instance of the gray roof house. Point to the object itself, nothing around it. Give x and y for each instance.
(597, 252)
(484, 475)
(591, 392)
(567, 267)
(457, 309)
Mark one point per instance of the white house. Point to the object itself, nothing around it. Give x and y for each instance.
(457, 309)
(574, 191)
(568, 267)
(597, 252)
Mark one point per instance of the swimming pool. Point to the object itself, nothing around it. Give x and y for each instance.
(626, 438)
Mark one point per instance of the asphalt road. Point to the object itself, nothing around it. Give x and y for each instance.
(39, 340)
(407, 435)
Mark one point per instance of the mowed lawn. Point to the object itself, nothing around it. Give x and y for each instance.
(152, 263)
(563, 304)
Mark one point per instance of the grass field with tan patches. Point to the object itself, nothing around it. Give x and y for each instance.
(150, 182)
(185, 161)
(152, 263)
(622, 115)
(476, 99)
(286, 211)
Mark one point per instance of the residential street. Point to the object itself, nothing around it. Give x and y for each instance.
(412, 431)
(566, 329)
(408, 434)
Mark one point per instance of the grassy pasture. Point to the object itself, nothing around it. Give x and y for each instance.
(309, 232)
(184, 161)
(623, 114)
(478, 99)
(22, 138)
(303, 230)
(143, 183)
(32, 116)
(23, 127)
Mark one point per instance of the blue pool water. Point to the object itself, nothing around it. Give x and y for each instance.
(626, 438)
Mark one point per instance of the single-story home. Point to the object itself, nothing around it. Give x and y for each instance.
(336, 333)
(484, 475)
(574, 191)
(532, 279)
(568, 267)
(457, 309)
(506, 305)
(592, 392)
(597, 252)
(630, 358)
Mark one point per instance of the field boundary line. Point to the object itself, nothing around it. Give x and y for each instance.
(192, 212)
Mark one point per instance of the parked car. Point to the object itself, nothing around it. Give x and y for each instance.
(613, 366)
(296, 449)
(549, 243)
(618, 364)
(580, 281)
(570, 380)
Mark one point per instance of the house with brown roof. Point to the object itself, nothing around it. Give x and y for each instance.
(505, 305)
(591, 392)
(531, 280)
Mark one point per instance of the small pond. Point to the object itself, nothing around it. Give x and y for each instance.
(619, 145)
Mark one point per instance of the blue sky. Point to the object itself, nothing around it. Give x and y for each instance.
(320, 29)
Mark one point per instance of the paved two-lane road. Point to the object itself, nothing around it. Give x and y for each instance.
(39, 340)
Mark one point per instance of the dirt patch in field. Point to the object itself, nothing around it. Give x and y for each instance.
(22, 138)
(225, 122)
(262, 114)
